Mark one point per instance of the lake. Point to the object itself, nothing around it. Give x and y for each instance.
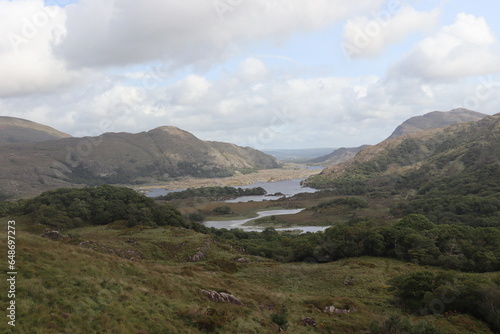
(287, 188)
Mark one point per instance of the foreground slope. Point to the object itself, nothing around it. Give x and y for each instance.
(141, 280)
(124, 158)
(17, 130)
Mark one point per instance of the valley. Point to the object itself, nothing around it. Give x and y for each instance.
(402, 238)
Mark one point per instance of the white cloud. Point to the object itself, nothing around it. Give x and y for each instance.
(198, 32)
(369, 36)
(135, 65)
(468, 47)
(29, 31)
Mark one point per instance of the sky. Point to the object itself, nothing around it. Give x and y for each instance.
(261, 73)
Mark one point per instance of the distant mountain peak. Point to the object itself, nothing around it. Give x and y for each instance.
(436, 119)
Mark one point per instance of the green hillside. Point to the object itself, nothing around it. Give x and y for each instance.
(452, 174)
(106, 260)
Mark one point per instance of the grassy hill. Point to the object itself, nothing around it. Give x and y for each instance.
(450, 175)
(113, 279)
(465, 152)
(164, 153)
(106, 260)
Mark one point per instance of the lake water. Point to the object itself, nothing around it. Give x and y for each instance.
(233, 224)
(287, 188)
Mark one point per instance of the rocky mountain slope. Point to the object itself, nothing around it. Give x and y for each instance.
(432, 120)
(120, 158)
(466, 155)
(16, 130)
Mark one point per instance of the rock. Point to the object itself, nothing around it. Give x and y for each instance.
(308, 322)
(197, 257)
(131, 255)
(332, 309)
(240, 260)
(221, 297)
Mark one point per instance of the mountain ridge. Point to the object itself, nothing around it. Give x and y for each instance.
(166, 152)
(436, 119)
(416, 160)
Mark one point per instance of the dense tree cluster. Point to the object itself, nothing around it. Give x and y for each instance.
(414, 238)
(455, 209)
(67, 208)
(214, 193)
(425, 293)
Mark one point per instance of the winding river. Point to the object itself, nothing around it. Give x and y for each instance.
(233, 224)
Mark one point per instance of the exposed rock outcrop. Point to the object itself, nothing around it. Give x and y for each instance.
(221, 297)
(332, 310)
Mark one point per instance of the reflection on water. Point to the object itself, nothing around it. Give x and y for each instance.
(233, 224)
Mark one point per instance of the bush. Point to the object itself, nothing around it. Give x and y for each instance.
(223, 210)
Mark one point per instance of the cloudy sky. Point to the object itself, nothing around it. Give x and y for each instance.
(260, 73)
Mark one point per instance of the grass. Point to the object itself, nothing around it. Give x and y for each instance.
(64, 288)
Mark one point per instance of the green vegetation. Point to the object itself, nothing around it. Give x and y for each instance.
(414, 239)
(213, 193)
(425, 293)
(96, 288)
(351, 202)
(413, 247)
(68, 208)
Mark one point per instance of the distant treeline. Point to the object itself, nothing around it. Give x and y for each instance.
(213, 192)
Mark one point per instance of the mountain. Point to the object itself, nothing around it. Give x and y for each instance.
(297, 155)
(17, 130)
(166, 152)
(339, 155)
(436, 119)
(460, 159)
